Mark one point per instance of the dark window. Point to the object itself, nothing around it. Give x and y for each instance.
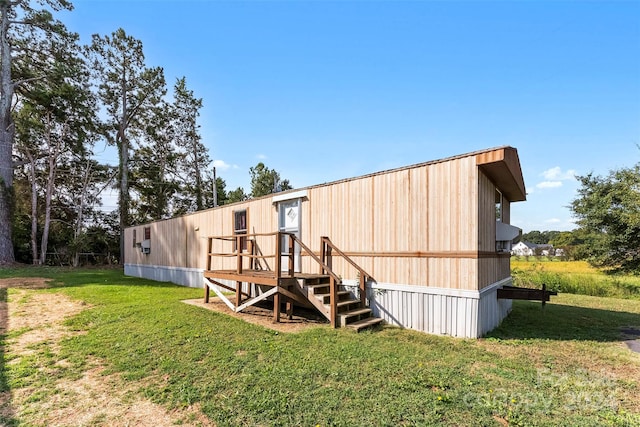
(240, 227)
(147, 233)
(134, 237)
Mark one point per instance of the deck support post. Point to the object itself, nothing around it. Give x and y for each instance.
(276, 307)
(238, 294)
(363, 291)
(206, 293)
(333, 302)
(289, 306)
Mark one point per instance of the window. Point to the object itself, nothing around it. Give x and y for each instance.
(498, 205)
(240, 227)
(147, 233)
(134, 238)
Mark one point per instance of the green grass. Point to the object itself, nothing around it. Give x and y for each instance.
(575, 277)
(560, 366)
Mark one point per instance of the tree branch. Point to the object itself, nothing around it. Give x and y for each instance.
(23, 81)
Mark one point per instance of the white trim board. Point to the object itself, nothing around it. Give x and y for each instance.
(289, 196)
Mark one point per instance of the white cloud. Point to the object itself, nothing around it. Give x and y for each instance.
(261, 156)
(549, 184)
(553, 221)
(222, 165)
(556, 174)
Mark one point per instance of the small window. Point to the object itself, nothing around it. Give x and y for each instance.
(147, 233)
(498, 205)
(134, 238)
(240, 227)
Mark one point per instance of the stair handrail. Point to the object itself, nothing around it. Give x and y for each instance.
(363, 276)
(315, 257)
(334, 280)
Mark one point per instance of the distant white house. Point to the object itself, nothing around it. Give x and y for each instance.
(532, 249)
(524, 249)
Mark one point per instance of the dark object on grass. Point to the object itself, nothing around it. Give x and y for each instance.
(514, 292)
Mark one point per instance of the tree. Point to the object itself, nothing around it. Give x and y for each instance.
(266, 181)
(608, 210)
(18, 66)
(128, 90)
(575, 244)
(237, 195)
(55, 127)
(153, 170)
(539, 237)
(194, 160)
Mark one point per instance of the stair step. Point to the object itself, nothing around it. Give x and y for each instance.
(347, 303)
(339, 294)
(317, 285)
(364, 323)
(356, 312)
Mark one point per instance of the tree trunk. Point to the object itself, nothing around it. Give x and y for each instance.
(123, 151)
(80, 215)
(6, 138)
(54, 151)
(34, 209)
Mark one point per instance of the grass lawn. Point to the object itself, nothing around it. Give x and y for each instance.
(561, 366)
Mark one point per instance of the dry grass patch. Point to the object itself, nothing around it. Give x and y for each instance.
(50, 391)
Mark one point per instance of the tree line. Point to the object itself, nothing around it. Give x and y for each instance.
(60, 100)
(607, 213)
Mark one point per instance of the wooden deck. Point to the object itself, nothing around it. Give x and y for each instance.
(321, 290)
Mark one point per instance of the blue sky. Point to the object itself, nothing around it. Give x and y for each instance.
(325, 90)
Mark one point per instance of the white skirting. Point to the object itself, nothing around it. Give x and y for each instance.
(191, 277)
(441, 311)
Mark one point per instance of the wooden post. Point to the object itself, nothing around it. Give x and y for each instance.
(363, 290)
(238, 294)
(239, 256)
(276, 307)
(206, 293)
(210, 245)
(278, 263)
(333, 302)
(289, 308)
(291, 264)
(250, 250)
(323, 254)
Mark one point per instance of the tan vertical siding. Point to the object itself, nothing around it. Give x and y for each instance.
(425, 225)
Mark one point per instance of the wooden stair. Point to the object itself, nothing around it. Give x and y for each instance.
(351, 312)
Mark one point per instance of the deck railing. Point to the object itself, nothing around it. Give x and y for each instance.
(254, 254)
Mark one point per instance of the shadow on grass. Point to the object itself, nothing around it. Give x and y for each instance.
(6, 405)
(528, 320)
(78, 277)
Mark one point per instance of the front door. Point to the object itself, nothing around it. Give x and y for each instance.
(289, 222)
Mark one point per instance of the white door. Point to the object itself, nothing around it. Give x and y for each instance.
(289, 222)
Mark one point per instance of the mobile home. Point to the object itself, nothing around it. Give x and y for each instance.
(424, 247)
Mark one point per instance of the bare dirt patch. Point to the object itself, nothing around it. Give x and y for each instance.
(25, 283)
(93, 398)
(105, 400)
(263, 316)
